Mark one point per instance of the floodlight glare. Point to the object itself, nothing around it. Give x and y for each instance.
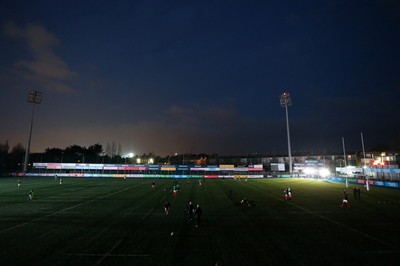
(324, 172)
(376, 162)
(309, 171)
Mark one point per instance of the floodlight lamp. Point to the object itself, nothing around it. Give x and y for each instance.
(285, 99)
(378, 162)
(34, 97)
(130, 155)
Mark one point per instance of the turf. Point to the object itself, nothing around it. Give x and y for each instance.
(121, 222)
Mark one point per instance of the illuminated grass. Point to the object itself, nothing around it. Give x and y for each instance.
(121, 222)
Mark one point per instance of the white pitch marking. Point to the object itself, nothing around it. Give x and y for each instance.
(163, 198)
(108, 253)
(311, 212)
(144, 217)
(49, 232)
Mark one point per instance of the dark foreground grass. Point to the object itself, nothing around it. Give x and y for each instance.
(121, 222)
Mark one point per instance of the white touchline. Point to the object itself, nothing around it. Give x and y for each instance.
(105, 255)
(147, 214)
(163, 198)
(109, 255)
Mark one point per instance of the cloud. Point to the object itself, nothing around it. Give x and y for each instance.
(194, 115)
(46, 68)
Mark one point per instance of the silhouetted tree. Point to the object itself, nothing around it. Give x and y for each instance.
(17, 155)
(113, 149)
(4, 148)
(95, 150)
(108, 150)
(53, 151)
(119, 152)
(74, 150)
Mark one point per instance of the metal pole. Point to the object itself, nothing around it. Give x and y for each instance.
(345, 164)
(344, 153)
(29, 141)
(285, 101)
(34, 97)
(288, 136)
(365, 163)
(362, 142)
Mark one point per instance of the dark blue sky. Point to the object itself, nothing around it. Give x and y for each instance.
(201, 76)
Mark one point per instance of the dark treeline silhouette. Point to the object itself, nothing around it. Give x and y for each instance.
(94, 150)
(13, 160)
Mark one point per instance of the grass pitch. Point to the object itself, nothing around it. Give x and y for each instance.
(122, 222)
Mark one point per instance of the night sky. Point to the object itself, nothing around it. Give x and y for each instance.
(201, 76)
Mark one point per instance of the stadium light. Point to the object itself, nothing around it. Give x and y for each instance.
(34, 97)
(129, 156)
(378, 161)
(285, 102)
(309, 171)
(324, 172)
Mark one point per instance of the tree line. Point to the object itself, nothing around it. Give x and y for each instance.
(12, 159)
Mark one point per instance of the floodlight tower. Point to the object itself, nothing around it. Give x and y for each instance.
(285, 102)
(34, 97)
